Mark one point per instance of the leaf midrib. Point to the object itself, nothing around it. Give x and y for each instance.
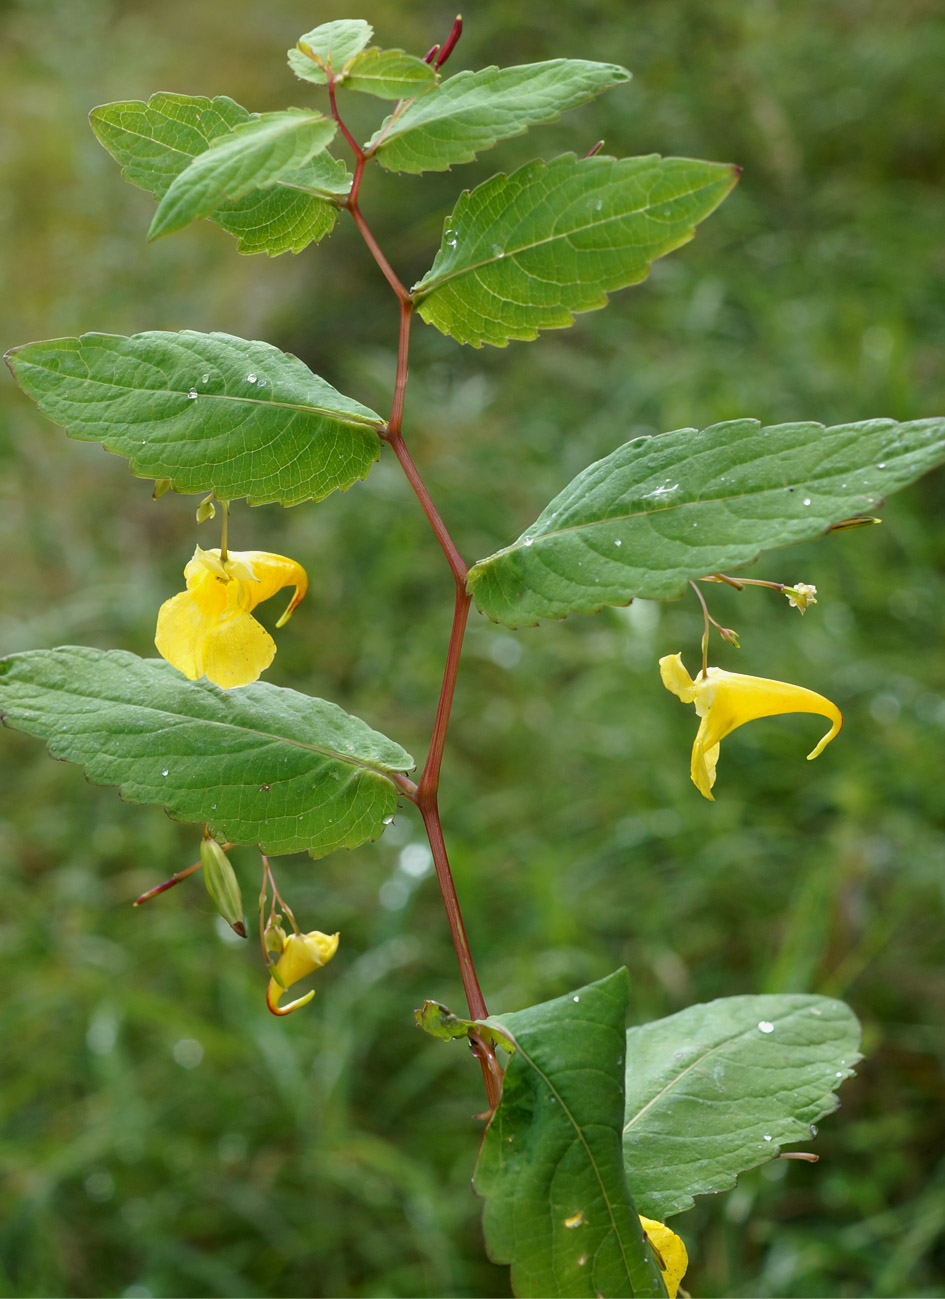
(327, 195)
(538, 243)
(580, 1135)
(343, 417)
(662, 509)
(350, 759)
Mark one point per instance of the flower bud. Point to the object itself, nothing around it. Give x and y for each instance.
(222, 885)
(206, 510)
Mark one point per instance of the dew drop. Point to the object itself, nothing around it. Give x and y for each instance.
(598, 206)
(250, 378)
(575, 998)
(767, 1138)
(192, 394)
(164, 772)
(528, 541)
(582, 1260)
(205, 379)
(262, 383)
(449, 237)
(881, 465)
(806, 500)
(618, 542)
(498, 251)
(765, 1026)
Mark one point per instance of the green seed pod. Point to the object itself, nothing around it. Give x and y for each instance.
(222, 885)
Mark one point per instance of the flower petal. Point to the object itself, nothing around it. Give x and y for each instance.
(301, 955)
(208, 629)
(733, 699)
(676, 678)
(673, 1257)
(726, 700)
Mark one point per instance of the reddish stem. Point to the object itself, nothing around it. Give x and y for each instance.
(424, 794)
(455, 560)
(430, 778)
(400, 383)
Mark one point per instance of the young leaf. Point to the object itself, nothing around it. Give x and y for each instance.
(156, 141)
(719, 1088)
(662, 510)
(328, 48)
(253, 156)
(550, 1168)
(389, 74)
(260, 765)
(210, 412)
(528, 251)
(474, 110)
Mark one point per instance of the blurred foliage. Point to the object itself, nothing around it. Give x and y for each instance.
(162, 1134)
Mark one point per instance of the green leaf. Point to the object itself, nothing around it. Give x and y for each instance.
(211, 412)
(389, 74)
(253, 156)
(328, 48)
(528, 251)
(260, 765)
(660, 511)
(550, 1167)
(474, 110)
(439, 1021)
(155, 141)
(719, 1088)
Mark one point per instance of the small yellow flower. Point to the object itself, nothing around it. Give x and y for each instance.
(800, 596)
(725, 700)
(209, 631)
(301, 955)
(670, 1253)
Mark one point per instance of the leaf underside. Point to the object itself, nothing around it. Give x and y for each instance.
(527, 252)
(472, 111)
(254, 156)
(660, 511)
(155, 141)
(719, 1088)
(210, 412)
(389, 74)
(260, 765)
(557, 1206)
(328, 46)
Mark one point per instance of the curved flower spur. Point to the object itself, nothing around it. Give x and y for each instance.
(725, 700)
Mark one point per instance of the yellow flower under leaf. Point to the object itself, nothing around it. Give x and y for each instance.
(301, 954)
(209, 629)
(725, 700)
(670, 1253)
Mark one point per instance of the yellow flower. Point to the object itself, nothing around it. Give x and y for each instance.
(670, 1253)
(725, 700)
(209, 631)
(301, 955)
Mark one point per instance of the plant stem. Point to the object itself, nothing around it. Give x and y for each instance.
(424, 794)
(455, 560)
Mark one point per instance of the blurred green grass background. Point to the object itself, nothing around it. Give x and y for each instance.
(161, 1133)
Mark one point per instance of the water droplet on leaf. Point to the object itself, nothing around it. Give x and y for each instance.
(765, 1026)
(192, 394)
